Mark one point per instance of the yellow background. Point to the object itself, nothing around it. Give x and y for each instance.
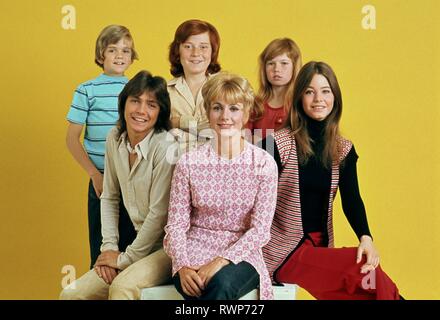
(390, 85)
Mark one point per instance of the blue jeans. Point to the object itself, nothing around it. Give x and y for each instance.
(230, 283)
(127, 233)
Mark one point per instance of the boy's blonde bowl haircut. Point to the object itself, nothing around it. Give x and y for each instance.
(111, 35)
(230, 88)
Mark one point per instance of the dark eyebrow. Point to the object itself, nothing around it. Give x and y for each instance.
(310, 87)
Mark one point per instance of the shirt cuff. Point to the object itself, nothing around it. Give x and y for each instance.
(179, 265)
(233, 259)
(123, 261)
(109, 246)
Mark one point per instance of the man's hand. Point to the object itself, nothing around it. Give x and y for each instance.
(107, 274)
(108, 258)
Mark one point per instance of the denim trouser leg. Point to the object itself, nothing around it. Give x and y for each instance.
(230, 283)
(94, 217)
(127, 232)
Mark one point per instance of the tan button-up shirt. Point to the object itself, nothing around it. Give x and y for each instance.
(184, 105)
(145, 192)
(194, 124)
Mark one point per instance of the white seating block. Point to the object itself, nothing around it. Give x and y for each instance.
(169, 292)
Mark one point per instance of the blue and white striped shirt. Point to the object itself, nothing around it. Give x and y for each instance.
(95, 104)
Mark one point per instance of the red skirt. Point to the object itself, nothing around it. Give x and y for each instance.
(333, 274)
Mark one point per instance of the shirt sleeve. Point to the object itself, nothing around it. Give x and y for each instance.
(175, 241)
(186, 120)
(110, 199)
(261, 216)
(152, 229)
(189, 122)
(352, 203)
(80, 106)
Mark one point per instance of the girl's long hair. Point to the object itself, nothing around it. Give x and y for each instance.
(273, 49)
(297, 119)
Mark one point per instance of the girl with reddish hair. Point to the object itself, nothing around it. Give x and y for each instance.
(279, 64)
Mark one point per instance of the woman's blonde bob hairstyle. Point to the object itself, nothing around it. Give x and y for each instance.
(230, 88)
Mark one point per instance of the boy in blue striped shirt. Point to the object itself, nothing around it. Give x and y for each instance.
(95, 106)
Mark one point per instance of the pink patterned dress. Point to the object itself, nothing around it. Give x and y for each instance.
(221, 207)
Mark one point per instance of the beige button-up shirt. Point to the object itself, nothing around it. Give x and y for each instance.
(184, 105)
(145, 192)
(194, 124)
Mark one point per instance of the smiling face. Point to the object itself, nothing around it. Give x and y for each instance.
(279, 70)
(195, 54)
(318, 98)
(227, 119)
(117, 57)
(141, 114)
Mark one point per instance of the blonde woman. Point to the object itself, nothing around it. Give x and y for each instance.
(222, 202)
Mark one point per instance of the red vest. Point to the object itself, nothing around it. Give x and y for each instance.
(287, 230)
